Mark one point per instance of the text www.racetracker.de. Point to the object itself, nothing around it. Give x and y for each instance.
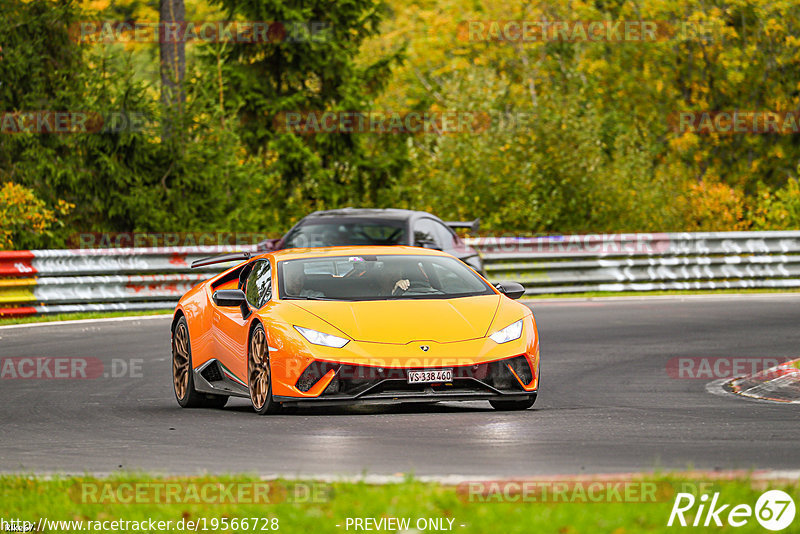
(201, 524)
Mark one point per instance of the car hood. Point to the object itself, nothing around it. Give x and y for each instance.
(404, 321)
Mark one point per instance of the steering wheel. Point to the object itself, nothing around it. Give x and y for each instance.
(355, 272)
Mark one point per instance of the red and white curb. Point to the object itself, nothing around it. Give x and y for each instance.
(777, 385)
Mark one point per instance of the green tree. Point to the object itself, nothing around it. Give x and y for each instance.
(120, 176)
(172, 62)
(627, 169)
(310, 63)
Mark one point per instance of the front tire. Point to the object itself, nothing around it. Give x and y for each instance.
(509, 406)
(259, 374)
(183, 376)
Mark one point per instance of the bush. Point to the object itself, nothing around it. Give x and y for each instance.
(24, 217)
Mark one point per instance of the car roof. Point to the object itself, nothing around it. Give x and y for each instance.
(324, 252)
(369, 213)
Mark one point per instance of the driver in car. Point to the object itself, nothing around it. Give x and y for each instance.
(294, 279)
(394, 283)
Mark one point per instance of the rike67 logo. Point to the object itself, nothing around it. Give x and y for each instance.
(774, 510)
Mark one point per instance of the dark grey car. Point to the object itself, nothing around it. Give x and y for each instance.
(351, 226)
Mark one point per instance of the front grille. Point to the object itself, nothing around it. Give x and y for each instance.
(352, 380)
(398, 387)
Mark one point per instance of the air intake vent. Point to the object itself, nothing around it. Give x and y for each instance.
(313, 373)
(212, 373)
(521, 366)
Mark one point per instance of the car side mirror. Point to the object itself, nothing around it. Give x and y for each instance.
(512, 290)
(228, 297)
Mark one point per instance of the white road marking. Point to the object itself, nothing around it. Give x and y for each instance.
(454, 480)
(668, 298)
(88, 321)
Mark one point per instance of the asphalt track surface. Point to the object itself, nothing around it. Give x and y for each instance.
(607, 404)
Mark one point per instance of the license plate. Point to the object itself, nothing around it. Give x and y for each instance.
(430, 375)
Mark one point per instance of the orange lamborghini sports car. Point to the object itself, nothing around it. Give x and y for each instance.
(349, 325)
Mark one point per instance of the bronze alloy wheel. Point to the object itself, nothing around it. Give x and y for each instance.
(259, 375)
(180, 360)
(182, 374)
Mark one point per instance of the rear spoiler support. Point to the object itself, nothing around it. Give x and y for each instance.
(223, 258)
(472, 226)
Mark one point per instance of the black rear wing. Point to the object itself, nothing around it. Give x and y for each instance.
(222, 258)
(472, 226)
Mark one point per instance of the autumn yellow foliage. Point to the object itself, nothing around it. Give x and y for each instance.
(22, 212)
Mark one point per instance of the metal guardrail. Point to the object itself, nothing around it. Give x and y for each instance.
(65, 281)
(645, 262)
(60, 281)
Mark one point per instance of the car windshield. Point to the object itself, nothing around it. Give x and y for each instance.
(346, 232)
(378, 277)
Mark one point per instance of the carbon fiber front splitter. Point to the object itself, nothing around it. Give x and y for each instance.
(394, 398)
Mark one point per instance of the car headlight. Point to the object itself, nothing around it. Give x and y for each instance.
(509, 333)
(319, 338)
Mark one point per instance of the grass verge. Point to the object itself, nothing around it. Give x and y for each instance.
(79, 316)
(301, 507)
